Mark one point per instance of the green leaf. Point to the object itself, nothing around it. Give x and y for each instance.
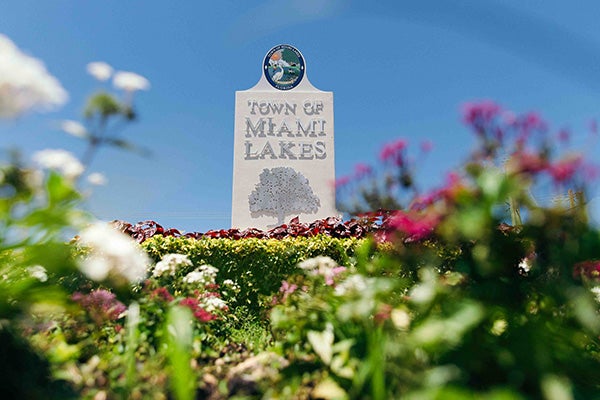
(60, 189)
(179, 337)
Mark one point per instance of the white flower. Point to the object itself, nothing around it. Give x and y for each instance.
(322, 265)
(212, 303)
(112, 253)
(38, 272)
(233, 286)
(97, 179)
(400, 318)
(210, 272)
(596, 291)
(25, 84)
(203, 275)
(74, 128)
(100, 70)
(194, 277)
(130, 81)
(59, 160)
(170, 263)
(318, 265)
(525, 265)
(354, 283)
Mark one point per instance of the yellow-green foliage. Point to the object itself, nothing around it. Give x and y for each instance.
(258, 265)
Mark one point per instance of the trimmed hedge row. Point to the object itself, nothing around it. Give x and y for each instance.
(258, 265)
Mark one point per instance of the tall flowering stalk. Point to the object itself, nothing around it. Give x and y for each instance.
(105, 113)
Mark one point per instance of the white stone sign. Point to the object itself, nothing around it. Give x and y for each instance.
(283, 163)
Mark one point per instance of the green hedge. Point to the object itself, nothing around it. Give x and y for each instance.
(258, 265)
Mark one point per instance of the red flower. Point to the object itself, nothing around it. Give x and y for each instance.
(589, 269)
(199, 313)
(161, 293)
(204, 316)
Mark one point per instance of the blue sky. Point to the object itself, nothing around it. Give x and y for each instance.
(397, 69)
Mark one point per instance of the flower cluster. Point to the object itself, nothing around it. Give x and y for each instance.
(101, 305)
(394, 152)
(170, 264)
(212, 302)
(204, 275)
(198, 309)
(323, 266)
(38, 272)
(161, 294)
(390, 186)
(415, 226)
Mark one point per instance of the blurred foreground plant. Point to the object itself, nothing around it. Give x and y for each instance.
(467, 305)
(39, 212)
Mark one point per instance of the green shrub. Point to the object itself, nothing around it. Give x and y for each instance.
(258, 265)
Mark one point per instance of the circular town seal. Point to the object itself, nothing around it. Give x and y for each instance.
(284, 67)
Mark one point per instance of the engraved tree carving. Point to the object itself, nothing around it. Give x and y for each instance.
(282, 191)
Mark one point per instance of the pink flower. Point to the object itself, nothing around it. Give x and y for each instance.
(383, 313)
(342, 181)
(453, 186)
(591, 172)
(564, 135)
(533, 121)
(509, 118)
(331, 274)
(361, 170)
(594, 126)
(480, 112)
(448, 192)
(426, 146)
(101, 305)
(565, 169)
(414, 226)
(286, 288)
(393, 152)
(525, 162)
